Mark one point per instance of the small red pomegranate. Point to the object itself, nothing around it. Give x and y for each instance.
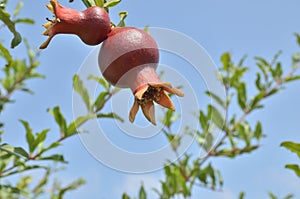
(129, 58)
(91, 25)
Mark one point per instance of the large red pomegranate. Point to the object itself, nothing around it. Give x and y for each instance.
(129, 58)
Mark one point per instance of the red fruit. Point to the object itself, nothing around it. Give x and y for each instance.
(91, 25)
(129, 58)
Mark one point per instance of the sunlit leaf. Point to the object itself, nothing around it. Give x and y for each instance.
(82, 91)
(72, 128)
(123, 16)
(60, 120)
(55, 157)
(216, 98)
(111, 3)
(18, 8)
(24, 20)
(142, 193)
(292, 146)
(110, 115)
(29, 136)
(5, 53)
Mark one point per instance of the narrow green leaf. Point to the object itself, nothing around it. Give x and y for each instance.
(226, 60)
(82, 91)
(55, 157)
(258, 131)
(72, 128)
(5, 17)
(123, 15)
(258, 83)
(74, 185)
(110, 115)
(29, 136)
(216, 116)
(254, 102)
(216, 98)
(203, 121)
(99, 103)
(292, 78)
(272, 196)
(99, 3)
(101, 81)
(40, 137)
(125, 196)
(292, 146)
(25, 21)
(60, 120)
(51, 146)
(18, 8)
(5, 53)
(289, 196)
(15, 151)
(111, 3)
(142, 193)
(242, 95)
(242, 195)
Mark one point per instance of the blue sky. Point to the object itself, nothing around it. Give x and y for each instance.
(254, 28)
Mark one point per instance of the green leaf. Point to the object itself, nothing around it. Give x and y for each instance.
(258, 83)
(24, 20)
(257, 98)
(29, 136)
(60, 120)
(123, 16)
(125, 196)
(16, 151)
(289, 196)
(258, 131)
(55, 157)
(40, 137)
(226, 60)
(72, 128)
(298, 38)
(99, 103)
(5, 53)
(203, 121)
(5, 17)
(242, 195)
(170, 117)
(216, 98)
(18, 9)
(72, 186)
(292, 146)
(291, 78)
(142, 193)
(295, 168)
(99, 3)
(101, 81)
(242, 95)
(51, 146)
(272, 196)
(88, 3)
(110, 115)
(82, 91)
(216, 116)
(111, 3)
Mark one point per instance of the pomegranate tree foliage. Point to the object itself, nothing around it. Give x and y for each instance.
(181, 177)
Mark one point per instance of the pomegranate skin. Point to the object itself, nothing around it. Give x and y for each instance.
(91, 25)
(127, 51)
